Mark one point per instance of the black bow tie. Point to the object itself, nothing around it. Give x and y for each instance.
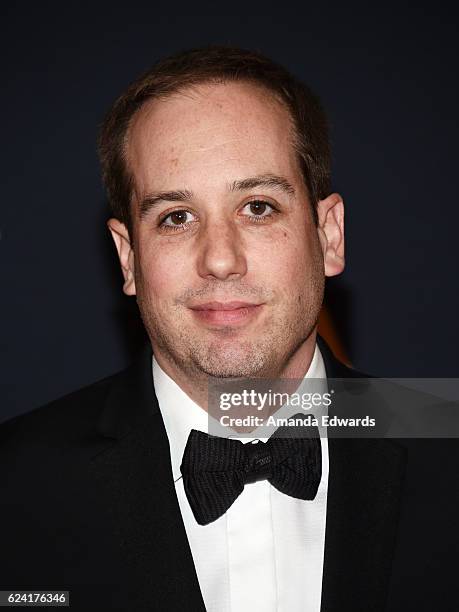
(216, 469)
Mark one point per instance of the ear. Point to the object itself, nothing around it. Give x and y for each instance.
(331, 233)
(122, 242)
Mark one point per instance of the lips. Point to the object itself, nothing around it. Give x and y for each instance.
(225, 313)
(223, 306)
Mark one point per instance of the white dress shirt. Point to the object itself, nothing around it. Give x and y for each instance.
(266, 552)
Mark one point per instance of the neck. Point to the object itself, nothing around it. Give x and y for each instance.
(195, 383)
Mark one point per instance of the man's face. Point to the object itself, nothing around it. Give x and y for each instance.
(227, 263)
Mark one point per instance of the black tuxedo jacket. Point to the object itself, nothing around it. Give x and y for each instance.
(88, 505)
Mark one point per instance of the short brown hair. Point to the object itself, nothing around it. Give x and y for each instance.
(215, 64)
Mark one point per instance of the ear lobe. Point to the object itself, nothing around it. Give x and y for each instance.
(122, 242)
(331, 233)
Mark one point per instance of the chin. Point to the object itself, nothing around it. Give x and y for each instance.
(229, 361)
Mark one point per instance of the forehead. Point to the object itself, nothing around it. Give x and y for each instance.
(209, 134)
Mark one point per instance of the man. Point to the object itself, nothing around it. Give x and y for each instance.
(217, 168)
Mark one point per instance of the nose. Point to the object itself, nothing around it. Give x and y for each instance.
(221, 252)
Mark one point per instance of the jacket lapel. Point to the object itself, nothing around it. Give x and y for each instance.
(135, 477)
(366, 477)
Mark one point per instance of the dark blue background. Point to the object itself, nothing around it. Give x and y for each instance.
(388, 78)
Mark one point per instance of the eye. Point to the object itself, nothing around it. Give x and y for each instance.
(176, 219)
(258, 209)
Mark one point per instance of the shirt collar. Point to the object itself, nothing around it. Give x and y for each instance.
(181, 414)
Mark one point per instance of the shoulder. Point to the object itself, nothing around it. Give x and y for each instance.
(68, 419)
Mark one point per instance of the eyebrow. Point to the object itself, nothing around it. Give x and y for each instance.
(152, 200)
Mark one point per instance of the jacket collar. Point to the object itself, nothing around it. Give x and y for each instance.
(131, 398)
(333, 367)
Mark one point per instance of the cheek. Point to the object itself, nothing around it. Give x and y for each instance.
(161, 275)
(289, 257)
